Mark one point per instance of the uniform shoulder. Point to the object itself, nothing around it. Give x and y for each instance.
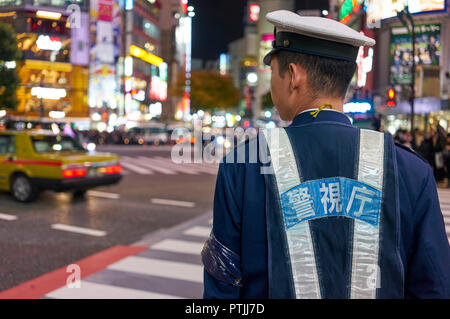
(410, 151)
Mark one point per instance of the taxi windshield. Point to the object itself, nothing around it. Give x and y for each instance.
(56, 143)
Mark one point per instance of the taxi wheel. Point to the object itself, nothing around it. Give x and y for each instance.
(80, 193)
(23, 189)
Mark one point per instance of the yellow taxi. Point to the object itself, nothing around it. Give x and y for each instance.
(33, 161)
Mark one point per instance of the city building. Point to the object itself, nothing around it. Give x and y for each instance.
(53, 71)
(183, 59)
(393, 62)
(242, 60)
(359, 102)
(265, 38)
(141, 73)
(171, 12)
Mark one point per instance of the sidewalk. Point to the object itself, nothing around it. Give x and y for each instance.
(163, 265)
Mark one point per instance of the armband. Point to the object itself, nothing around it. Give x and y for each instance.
(221, 263)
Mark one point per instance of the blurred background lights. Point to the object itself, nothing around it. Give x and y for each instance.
(91, 147)
(252, 78)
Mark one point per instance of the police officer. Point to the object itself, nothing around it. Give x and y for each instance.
(330, 210)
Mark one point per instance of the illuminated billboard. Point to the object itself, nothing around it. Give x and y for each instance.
(104, 88)
(379, 10)
(253, 12)
(428, 50)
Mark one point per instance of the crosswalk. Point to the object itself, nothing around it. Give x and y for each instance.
(142, 165)
(170, 269)
(444, 200)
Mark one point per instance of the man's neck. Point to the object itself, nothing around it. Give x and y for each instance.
(336, 104)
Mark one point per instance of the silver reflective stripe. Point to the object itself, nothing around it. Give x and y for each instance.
(365, 236)
(301, 250)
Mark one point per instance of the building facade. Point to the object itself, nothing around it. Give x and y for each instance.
(393, 63)
(53, 71)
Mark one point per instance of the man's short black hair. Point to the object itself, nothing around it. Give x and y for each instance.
(326, 76)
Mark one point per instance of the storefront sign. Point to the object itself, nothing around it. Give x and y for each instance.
(48, 93)
(428, 50)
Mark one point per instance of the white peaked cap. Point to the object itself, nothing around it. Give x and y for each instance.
(315, 35)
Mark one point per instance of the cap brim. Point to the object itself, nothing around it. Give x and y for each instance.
(268, 56)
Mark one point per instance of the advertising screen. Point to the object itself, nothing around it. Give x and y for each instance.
(428, 50)
(384, 9)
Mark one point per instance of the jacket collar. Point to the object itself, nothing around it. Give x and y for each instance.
(326, 115)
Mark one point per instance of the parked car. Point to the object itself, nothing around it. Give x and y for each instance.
(149, 134)
(32, 161)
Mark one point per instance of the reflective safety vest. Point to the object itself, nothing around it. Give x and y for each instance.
(332, 236)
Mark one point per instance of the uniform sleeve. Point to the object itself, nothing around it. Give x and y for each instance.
(221, 253)
(429, 266)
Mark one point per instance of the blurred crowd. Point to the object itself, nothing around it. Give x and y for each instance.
(434, 146)
(99, 138)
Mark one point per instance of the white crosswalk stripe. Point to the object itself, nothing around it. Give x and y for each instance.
(136, 169)
(170, 269)
(160, 268)
(198, 231)
(179, 246)
(444, 199)
(143, 165)
(90, 290)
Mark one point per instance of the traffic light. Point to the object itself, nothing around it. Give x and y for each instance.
(391, 98)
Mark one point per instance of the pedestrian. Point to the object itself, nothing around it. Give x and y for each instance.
(328, 210)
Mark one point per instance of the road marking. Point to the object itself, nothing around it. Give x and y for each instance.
(160, 268)
(147, 162)
(38, 287)
(182, 168)
(103, 194)
(170, 202)
(135, 168)
(198, 231)
(80, 230)
(90, 290)
(8, 217)
(179, 246)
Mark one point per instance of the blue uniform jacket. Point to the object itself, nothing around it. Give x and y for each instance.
(240, 224)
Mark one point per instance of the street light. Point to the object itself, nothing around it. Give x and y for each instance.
(405, 17)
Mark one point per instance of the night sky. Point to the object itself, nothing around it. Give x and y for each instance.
(219, 22)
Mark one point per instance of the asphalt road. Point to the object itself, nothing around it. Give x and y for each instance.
(154, 194)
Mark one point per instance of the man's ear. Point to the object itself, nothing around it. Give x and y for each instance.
(298, 75)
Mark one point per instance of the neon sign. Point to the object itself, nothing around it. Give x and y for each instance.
(348, 8)
(357, 107)
(158, 89)
(45, 42)
(253, 12)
